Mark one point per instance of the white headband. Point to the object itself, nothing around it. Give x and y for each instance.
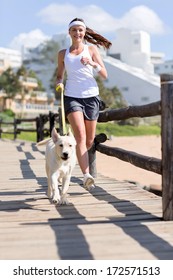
(77, 22)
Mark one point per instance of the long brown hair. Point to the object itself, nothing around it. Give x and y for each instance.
(93, 37)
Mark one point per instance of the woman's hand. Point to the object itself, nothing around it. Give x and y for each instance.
(59, 87)
(86, 61)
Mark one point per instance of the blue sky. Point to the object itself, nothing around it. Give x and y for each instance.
(28, 22)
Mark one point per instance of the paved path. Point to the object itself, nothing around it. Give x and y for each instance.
(118, 220)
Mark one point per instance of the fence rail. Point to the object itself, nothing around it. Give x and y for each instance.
(163, 166)
(149, 110)
(40, 129)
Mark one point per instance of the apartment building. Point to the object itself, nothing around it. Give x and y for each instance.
(9, 58)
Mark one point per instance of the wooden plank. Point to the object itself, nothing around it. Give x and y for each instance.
(117, 215)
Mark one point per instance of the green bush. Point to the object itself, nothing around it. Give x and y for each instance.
(7, 115)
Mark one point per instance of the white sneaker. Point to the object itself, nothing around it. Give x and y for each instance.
(88, 181)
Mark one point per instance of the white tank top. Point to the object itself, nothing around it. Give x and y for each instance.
(80, 78)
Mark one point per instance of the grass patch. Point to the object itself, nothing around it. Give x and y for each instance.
(26, 136)
(107, 128)
(7, 115)
(127, 130)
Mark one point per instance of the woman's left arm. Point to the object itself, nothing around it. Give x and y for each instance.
(97, 62)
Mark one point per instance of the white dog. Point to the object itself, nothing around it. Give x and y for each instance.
(60, 160)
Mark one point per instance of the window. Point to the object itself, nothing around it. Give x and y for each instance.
(145, 98)
(124, 88)
(136, 41)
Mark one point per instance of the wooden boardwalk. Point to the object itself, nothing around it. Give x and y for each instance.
(117, 221)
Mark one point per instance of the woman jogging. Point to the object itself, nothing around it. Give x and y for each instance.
(81, 97)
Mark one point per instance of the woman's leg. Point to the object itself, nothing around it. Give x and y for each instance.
(77, 122)
(90, 127)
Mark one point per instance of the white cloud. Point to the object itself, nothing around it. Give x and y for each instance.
(31, 39)
(94, 16)
(139, 17)
(57, 14)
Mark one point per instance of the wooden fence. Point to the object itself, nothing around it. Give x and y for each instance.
(39, 123)
(163, 166)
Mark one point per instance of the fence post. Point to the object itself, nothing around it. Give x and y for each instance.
(15, 128)
(51, 122)
(167, 145)
(40, 128)
(100, 138)
(92, 161)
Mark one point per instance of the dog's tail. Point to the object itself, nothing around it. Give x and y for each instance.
(43, 142)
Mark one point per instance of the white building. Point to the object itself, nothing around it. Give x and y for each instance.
(164, 67)
(130, 68)
(9, 58)
(133, 48)
(44, 68)
(44, 65)
(157, 58)
(137, 86)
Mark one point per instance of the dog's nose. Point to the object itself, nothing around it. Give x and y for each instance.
(65, 155)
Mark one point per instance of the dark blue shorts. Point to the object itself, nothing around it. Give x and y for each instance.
(89, 106)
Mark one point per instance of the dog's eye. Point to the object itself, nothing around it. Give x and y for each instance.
(61, 145)
(70, 145)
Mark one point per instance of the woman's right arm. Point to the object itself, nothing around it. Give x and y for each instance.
(61, 69)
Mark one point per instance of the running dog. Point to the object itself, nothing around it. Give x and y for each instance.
(60, 160)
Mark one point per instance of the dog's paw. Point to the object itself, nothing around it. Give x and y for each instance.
(56, 199)
(64, 200)
(56, 202)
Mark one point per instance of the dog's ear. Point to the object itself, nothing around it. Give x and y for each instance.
(54, 135)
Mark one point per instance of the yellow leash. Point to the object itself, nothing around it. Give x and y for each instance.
(64, 128)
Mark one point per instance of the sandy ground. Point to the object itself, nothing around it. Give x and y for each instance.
(121, 170)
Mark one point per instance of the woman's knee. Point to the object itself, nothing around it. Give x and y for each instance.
(80, 138)
(89, 143)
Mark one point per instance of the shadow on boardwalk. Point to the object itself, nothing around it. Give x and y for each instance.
(112, 223)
